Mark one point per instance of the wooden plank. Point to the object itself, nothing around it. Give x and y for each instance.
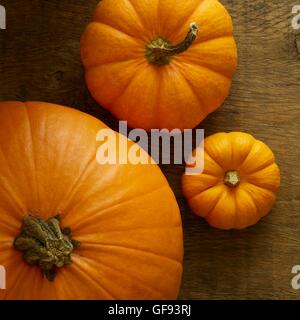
(264, 101)
(40, 61)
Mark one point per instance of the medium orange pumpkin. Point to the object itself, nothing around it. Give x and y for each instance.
(160, 63)
(239, 183)
(96, 231)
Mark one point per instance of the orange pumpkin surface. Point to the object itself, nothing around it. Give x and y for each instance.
(239, 183)
(160, 63)
(118, 234)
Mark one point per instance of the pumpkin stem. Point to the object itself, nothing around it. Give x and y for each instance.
(232, 178)
(45, 244)
(160, 51)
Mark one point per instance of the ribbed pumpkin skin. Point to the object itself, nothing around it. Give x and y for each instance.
(225, 207)
(125, 216)
(177, 95)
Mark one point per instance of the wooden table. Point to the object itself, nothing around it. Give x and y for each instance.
(39, 60)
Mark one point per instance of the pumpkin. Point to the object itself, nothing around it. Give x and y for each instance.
(71, 228)
(238, 184)
(159, 63)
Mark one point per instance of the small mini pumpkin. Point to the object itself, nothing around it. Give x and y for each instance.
(159, 63)
(239, 183)
(71, 228)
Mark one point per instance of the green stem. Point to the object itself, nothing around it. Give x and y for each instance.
(232, 178)
(45, 244)
(159, 51)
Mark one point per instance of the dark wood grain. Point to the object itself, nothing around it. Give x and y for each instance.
(39, 60)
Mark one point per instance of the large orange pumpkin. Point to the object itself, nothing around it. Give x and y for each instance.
(71, 228)
(239, 183)
(160, 63)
